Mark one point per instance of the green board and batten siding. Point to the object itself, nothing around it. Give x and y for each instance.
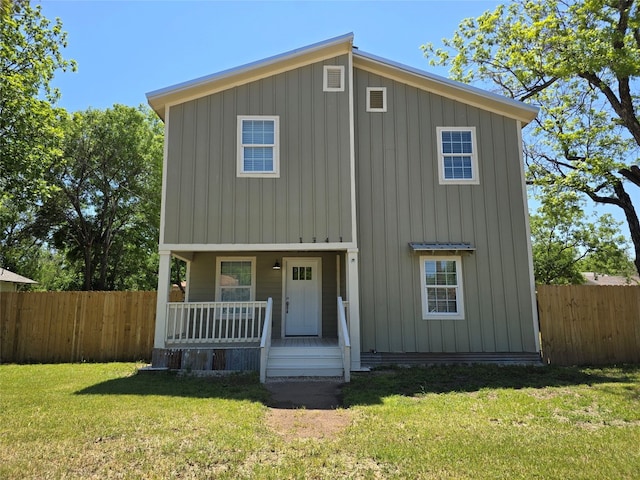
(399, 200)
(206, 203)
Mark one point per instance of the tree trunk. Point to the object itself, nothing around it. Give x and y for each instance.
(88, 268)
(632, 220)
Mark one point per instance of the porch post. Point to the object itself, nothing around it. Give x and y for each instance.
(353, 296)
(164, 285)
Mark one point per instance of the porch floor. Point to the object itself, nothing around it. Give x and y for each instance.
(304, 342)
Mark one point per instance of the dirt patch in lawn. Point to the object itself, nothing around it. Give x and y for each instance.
(301, 423)
(307, 409)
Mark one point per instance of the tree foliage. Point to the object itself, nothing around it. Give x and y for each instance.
(580, 62)
(30, 54)
(566, 242)
(104, 213)
(30, 131)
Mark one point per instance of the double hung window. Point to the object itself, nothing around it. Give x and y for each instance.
(235, 279)
(441, 282)
(258, 146)
(457, 155)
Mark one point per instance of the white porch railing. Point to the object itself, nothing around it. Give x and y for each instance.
(265, 341)
(343, 339)
(214, 322)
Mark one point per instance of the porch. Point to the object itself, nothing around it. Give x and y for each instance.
(222, 336)
(225, 323)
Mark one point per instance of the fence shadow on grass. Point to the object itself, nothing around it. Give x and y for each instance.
(232, 387)
(371, 388)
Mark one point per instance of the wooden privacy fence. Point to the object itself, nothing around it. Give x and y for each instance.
(589, 324)
(77, 326)
(580, 324)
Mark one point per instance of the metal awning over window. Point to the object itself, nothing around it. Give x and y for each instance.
(441, 247)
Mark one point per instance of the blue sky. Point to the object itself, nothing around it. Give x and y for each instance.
(125, 49)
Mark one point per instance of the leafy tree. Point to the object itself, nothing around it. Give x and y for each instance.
(30, 54)
(578, 60)
(565, 242)
(30, 132)
(105, 212)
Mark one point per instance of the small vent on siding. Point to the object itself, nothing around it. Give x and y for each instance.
(333, 79)
(376, 99)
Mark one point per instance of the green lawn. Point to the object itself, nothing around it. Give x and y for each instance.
(104, 421)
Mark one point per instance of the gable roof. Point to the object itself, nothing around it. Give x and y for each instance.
(445, 87)
(10, 277)
(203, 86)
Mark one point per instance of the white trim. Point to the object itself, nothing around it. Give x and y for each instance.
(184, 256)
(257, 247)
(325, 78)
(352, 154)
(338, 282)
(475, 179)
(353, 297)
(384, 99)
(445, 87)
(527, 229)
(219, 261)
(187, 276)
(426, 315)
(164, 285)
(275, 173)
(285, 268)
(240, 75)
(165, 162)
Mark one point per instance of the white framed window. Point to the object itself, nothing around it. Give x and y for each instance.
(457, 155)
(376, 99)
(333, 78)
(235, 279)
(258, 146)
(441, 283)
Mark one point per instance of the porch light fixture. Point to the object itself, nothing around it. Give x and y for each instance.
(276, 266)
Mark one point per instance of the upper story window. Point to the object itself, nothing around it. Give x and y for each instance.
(258, 146)
(333, 78)
(376, 99)
(441, 282)
(457, 155)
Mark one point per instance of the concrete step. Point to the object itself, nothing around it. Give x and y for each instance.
(304, 362)
(304, 371)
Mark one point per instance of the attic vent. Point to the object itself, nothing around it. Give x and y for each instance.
(376, 99)
(333, 78)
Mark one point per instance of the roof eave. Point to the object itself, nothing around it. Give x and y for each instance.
(448, 88)
(202, 86)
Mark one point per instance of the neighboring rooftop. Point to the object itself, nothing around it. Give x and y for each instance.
(600, 279)
(10, 277)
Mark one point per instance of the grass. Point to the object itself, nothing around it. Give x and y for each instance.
(104, 421)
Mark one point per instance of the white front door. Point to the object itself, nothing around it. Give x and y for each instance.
(302, 297)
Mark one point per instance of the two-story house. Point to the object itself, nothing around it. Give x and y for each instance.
(336, 210)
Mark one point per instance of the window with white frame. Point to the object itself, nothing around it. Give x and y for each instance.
(376, 99)
(441, 283)
(235, 279)
(333, 78)
(258, 146)
(457, 155)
